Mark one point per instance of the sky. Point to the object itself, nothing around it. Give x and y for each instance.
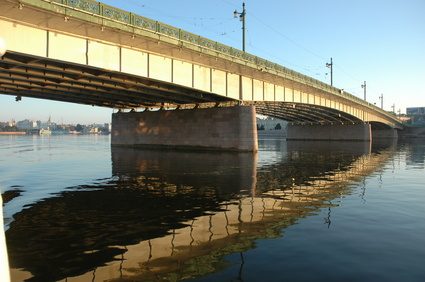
(381, 42)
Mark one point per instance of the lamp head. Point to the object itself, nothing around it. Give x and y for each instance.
(235, 14)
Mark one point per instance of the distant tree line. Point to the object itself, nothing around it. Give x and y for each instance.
(7, 128)
(261, 127)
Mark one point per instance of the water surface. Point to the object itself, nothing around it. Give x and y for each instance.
(78, 210)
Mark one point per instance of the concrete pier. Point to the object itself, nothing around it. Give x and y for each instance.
(351, 132)
(226, 128)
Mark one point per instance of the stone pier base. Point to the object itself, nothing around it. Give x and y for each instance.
(351, 132)
(227, 128)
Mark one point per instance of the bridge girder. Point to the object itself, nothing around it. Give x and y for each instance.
(304, 113)
(101, 87)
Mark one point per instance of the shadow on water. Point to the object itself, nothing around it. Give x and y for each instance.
(174, 215)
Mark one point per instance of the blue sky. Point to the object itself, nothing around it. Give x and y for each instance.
(379, 41)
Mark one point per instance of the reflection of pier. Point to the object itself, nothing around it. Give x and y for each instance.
(217, 219)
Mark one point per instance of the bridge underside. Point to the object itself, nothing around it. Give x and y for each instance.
(29, 76)
(25, 75)
(304, 113)
(35, 77)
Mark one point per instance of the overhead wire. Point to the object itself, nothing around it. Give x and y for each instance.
(287, 37)
(294, 42)
(192, 21)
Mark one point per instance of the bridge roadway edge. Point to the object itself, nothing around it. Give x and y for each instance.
(220, 128)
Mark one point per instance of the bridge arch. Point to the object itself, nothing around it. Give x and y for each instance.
(305, 113)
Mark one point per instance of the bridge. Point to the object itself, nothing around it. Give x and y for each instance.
(173, 88)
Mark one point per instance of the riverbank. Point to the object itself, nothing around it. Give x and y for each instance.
(12, 133)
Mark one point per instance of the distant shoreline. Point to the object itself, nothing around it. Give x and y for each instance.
(13, 133)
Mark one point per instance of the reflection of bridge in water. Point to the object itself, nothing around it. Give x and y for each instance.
(179, 213)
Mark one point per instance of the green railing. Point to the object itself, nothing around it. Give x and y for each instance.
(128, 18)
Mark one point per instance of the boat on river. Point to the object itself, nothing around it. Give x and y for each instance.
(45, 131)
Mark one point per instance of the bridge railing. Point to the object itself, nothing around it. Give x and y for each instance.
(128, 18)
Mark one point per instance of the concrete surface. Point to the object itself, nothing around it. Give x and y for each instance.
(228, 128)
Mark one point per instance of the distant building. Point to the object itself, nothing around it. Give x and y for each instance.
(415, 111)
(404, 119)
(26, 124)
(11, 123)
(416, 115)
(108, 127)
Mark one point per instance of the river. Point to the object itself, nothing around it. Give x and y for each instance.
(76, 209)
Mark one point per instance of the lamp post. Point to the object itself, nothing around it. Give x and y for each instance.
(382, 100)
(364, 89)
(330, 65)
(242, 19)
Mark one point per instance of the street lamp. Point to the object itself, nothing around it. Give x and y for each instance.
(330, 65)
(364, 90)
(242, 19)
(382, 100)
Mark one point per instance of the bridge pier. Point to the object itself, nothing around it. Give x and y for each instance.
(221, 128)
(349, 132)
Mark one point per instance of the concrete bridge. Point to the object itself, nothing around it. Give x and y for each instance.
(197, 92)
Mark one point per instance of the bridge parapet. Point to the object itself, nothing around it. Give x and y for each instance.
(100, 13)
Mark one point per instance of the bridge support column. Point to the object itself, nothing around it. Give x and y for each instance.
(226, 128)
(352, 132)
(389, 133)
